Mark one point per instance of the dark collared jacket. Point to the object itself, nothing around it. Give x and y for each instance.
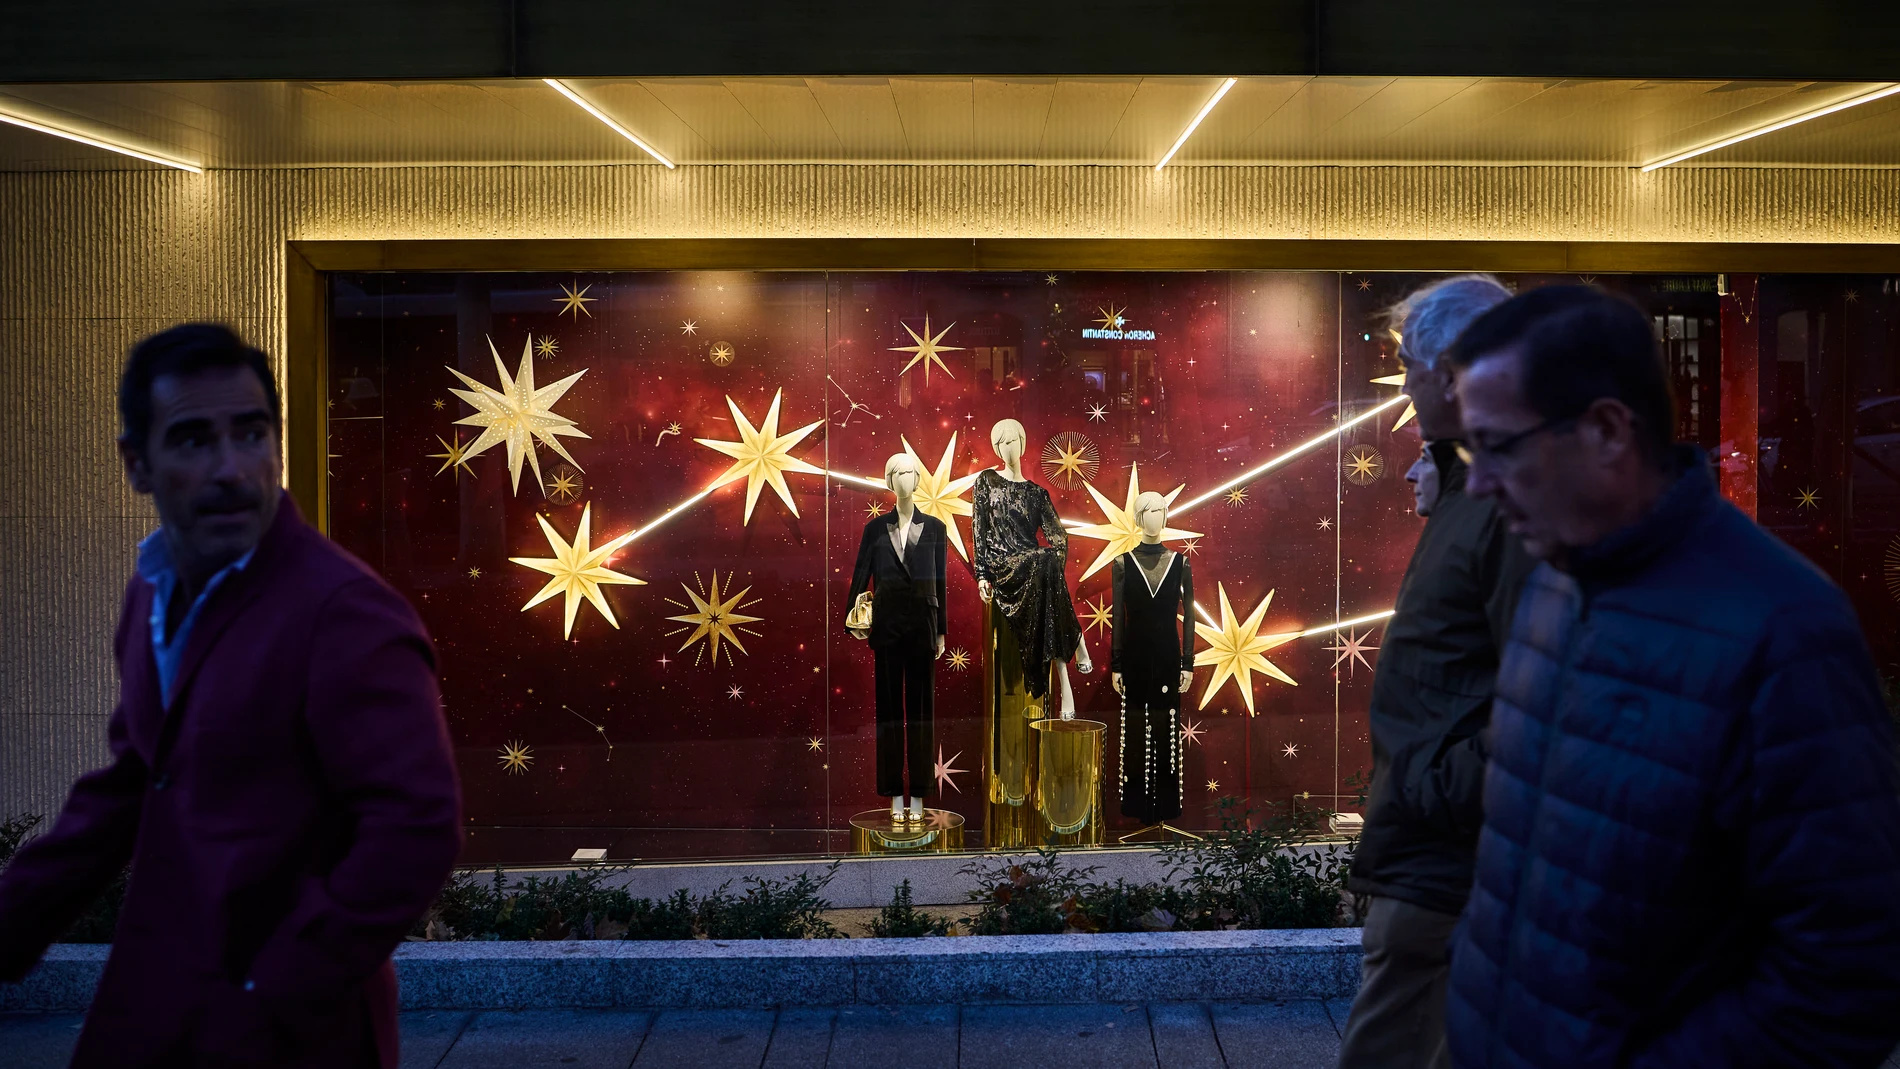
(287, 819)
(907, 591)
(1431, 697)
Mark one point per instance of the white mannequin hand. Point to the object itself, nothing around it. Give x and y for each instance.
(1187, 680)
(984, 590)
(939, 647)
(1115, 679)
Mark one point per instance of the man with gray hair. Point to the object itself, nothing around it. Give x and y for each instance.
(1431, 698)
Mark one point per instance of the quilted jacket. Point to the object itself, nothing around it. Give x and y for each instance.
(1691, 847)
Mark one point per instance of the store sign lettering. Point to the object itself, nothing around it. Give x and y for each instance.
(1118, 335)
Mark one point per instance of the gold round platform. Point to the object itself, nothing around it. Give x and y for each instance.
(874, 832)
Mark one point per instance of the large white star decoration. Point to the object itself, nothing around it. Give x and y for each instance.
(941, 496)
(715, 620)
(517, 414)
(454, 456)
(945, 771)
(1098, 413)
(1397, 380)
(1235, 648)
(927, 349)
(1352, 648)
(1122, 532)
(575, 300)
(762, 456)
(1290, 750)
(578, 571)
(1191, 732)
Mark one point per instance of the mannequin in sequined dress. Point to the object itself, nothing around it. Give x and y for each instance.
(1021, 579)
(1152, 664)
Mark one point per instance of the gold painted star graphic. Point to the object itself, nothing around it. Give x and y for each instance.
(735, 692)
(1325, 523)
(1191, 546)
(762, 456)
(721, 354)
(946, 770)
(1237, 496)
(1069, 458)
(1290, 750)
(1191, 732)
(575, 300)
(1050, 279)
(1098, 413)
(1352, 648)
(578, 571)
(1213, 785)
(1397, 380)
(815, 744)
(1364, 464)
(474, 573)
(440, 404)
(517, 414)
(546, 347)
(454, 456)
(715, 619)
(1111, 317)
(1235, 648)
(941, 496)
(1852, 296)
(1807, 498)
(1122, 532)
(874, 510)
(515, 758)
(691, 326)
(564, 486)
(959, 659)
(1365, 283)
(926, 349)
(1098, 616)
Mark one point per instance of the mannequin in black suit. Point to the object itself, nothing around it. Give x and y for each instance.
(908, 620)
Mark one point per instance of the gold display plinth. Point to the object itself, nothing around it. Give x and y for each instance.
(1069, 783)
(874, 832)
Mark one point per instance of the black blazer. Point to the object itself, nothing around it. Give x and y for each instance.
(907, 593)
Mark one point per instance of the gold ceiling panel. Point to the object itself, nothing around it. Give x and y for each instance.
(1118, 121)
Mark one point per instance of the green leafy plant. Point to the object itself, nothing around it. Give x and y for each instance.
(1036, 896)
(791, 908)
(673, 917)
(575, 906)
(1248, 876)
(1127, 907)
(901, 920)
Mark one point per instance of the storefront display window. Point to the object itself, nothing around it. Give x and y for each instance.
(630, 507)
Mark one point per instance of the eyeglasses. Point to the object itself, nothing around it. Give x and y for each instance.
(1503, 449)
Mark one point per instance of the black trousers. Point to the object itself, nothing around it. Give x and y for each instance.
(905, 683)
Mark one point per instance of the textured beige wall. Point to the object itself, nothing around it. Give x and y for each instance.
(91, 261)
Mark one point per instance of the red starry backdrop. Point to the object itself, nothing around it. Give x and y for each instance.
(728, 713)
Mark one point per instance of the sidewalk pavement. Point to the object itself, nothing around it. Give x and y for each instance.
(1164, 1035)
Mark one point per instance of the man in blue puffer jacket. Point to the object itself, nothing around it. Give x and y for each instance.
(1691, 846)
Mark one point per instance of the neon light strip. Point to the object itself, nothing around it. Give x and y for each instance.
(42, 128)
(570, 94)
(1852, 102)
(1185, 134)
(1297, 450)
(1337, 624)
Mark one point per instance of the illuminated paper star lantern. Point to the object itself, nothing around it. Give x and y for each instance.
(1234, 649)
(762, 456)
(518, 414)
(941, 496)
(1122, 532)
(1410, 411)
(578, 570)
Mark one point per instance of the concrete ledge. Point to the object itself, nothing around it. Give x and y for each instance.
(1314, 963)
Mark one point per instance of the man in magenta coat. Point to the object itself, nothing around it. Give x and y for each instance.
(281, 779)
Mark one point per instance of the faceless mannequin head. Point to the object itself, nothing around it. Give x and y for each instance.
(1151, 515)
(900, 474)
(1008, 439)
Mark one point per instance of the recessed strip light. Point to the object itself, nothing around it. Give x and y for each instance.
(109, 146)
(1851, 102)
(1185, 134)
(570, 94)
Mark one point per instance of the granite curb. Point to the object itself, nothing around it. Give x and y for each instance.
(1317, 963)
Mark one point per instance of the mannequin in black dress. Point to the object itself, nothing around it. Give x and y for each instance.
(1152, 665)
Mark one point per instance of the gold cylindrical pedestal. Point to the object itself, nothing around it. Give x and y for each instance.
(1069, 780)
(874, 832)
(1010, 818)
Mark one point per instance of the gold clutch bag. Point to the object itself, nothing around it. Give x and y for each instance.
(859, 618)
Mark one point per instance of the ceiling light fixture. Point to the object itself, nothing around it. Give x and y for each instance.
(570, 94)
(109, 146)
(1851, 102)
(1185, 134)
